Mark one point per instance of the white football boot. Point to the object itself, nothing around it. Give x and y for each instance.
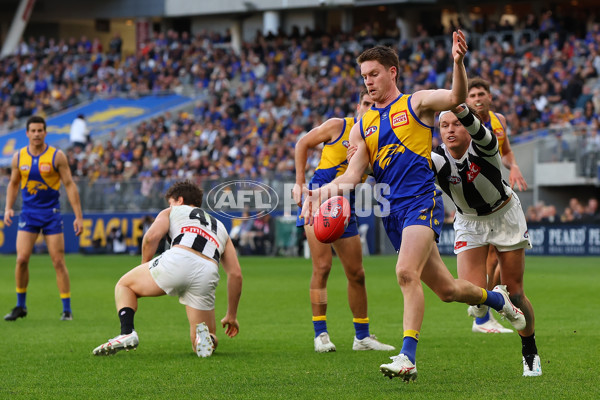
(370, 343)
(323, 344)
(513, 314)
(400, 367)
(477, 311)
(121, 342)
(536, 366)
(204, 343)
(490, 326)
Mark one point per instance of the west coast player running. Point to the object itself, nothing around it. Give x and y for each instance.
(394, 137)
(188, 270)
(334, 134)
(488, 212)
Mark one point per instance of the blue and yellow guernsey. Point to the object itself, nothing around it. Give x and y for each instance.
(495, 125)
(333, 158)
(40, 180)
(399, 147)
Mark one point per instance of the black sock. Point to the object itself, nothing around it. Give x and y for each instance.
(126, 317)
(528, 346)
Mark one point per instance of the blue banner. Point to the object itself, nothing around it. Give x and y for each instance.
(101, 116)
(547, 240)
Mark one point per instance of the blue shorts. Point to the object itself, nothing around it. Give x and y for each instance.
(351, 229)
(427, 210)
(49, 222)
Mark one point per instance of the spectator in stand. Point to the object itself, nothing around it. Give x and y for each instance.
(79, 134)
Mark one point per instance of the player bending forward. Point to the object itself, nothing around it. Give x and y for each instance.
(188, 270)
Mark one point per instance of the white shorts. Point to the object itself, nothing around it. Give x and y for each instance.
(506, 229)
(183, 274)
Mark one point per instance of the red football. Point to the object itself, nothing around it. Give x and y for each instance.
(331, 219)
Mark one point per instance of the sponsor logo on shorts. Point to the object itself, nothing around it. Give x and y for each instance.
(399, 119)
(459, 245)
(526, 235)
(370, 130)
(453, 179)
(422, 217)
(473, 171)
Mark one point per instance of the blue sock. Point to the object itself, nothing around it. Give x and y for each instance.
(66, 304)
(361, 327)
(483, 320)
(21, 297)
(320, 324)
(494, 300)
(409, 348)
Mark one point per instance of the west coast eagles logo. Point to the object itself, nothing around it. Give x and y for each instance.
(386, 153)
(34, 186)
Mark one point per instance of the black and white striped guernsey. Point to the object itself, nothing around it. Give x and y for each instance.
(473, 182)
(194, 228)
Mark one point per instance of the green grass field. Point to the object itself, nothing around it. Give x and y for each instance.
(273, 357)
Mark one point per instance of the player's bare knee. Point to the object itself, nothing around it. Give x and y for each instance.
(406, 277)
(356, 276)
(447, 293)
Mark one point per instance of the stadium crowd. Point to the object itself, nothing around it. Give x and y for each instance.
(253, 106)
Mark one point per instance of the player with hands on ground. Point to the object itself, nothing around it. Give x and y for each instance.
(188, 270)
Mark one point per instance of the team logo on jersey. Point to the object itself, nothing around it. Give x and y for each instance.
(384, 116)
(45, 167)
(459, 245)
(346, 143)
(25, 167)
(386, 153)
(34, 186)
(399, 119)
(370, 130)
(473, 171)
(453, 179)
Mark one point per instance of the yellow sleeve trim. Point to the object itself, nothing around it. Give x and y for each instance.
(361, 320)
(320, 318)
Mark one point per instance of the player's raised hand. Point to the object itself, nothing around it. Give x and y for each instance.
(459, 46)
(231, 325)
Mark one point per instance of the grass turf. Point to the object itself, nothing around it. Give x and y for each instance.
(273, 357)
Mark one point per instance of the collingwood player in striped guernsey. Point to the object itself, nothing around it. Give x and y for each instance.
(189, 270)
(467, 167)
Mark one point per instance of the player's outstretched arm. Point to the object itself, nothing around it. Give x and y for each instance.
(232, 268)
(71, 188)
(12, 190)
(323, 133)
(427, 102)
(158, 230)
